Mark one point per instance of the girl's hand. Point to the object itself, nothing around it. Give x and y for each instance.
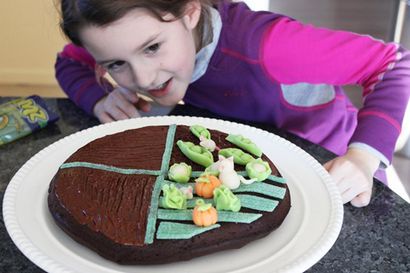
(120, 104)
(353, 174)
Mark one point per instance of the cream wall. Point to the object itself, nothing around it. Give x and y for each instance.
(30, 39)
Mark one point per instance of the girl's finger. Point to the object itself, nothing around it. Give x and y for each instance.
(105, 118)
(120, 107)
(132, 97)
(362, 199)
(143, 105)
(117, 114)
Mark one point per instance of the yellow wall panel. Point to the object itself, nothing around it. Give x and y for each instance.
(30, 39)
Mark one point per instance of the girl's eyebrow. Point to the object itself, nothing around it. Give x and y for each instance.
(144, 44)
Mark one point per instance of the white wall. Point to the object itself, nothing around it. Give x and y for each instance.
(258, 4)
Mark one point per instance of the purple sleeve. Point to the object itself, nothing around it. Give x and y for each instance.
(293, 52)
(380, 119)
(75, 73)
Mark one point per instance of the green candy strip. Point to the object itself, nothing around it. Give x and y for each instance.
(107, 168)
(168, 149)
(256, 187)
(262, 188)
(159, 183)
(278, 179)
(153, 210)
(245, 144)
(190, 203)
(178, 185)
(179, 215)
(238, 217)
(172, 231)
(196, 174)
(223, 216)
(247, 201)
(257, 203)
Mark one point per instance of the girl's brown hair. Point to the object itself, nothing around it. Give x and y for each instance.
(76, 14)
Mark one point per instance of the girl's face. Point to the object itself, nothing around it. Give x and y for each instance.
(145, 55)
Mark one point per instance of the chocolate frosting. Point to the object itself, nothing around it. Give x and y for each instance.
(108, 211)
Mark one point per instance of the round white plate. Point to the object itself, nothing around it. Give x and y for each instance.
(306, 235)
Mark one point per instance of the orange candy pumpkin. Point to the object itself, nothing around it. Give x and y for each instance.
(204, 215)
(206, 184)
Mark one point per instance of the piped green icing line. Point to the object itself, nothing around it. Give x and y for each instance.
(223, 216)
(170, 230)
(152, 216)
(257, 203)
(168, 148)
(108, 168)
(271, 177)
(262, 188)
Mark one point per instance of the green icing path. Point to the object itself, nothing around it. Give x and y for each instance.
(256, 187)
(196, 174)
(278, 179)
(152, 215)
(153, 210)
(262, 188)
(223, 216)
(237, 217)
(107, 168)
(170, 230)
(168, 149)
(257, 203)
(247, 201)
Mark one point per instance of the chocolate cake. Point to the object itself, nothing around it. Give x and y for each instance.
(108, 197)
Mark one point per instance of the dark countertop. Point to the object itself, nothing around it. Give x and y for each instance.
(373, 239)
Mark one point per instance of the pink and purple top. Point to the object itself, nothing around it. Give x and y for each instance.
(272, 69)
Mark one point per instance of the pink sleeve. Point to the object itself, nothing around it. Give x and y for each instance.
(293, 53)
(79, 54)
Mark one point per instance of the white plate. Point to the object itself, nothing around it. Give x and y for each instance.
(306, 235)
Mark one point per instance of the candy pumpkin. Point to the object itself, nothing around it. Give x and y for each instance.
(206, 184)
(204, 215)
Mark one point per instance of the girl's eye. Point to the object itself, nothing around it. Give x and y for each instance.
(152, 48)
(115, 65)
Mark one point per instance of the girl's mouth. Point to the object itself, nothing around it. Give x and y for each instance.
(163, 90)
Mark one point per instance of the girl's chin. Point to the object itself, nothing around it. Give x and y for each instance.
(167, 102)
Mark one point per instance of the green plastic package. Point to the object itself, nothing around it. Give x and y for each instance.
(23, 116)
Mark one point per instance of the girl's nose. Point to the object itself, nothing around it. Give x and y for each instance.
(144, 77)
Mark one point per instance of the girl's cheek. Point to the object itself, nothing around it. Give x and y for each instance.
(123, 80)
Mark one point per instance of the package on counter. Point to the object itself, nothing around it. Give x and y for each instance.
(23, 116)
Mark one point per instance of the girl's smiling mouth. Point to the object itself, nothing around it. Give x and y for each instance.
(162, 91)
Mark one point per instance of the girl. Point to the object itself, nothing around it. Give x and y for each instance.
(256, 66)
